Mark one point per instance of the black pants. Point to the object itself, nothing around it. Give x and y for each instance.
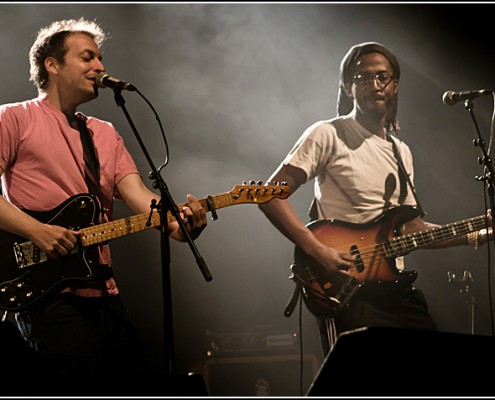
(382, 306)
(85, 337)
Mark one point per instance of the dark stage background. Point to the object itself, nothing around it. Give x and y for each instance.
(235, 85)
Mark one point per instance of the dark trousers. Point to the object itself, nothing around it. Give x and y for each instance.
(85, 336)
(382, 306)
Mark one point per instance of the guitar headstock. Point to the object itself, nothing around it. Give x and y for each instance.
(257, 192)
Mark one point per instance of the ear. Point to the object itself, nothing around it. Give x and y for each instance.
(396, 86)
(51, 65)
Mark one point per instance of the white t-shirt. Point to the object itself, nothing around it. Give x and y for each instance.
(356, 172)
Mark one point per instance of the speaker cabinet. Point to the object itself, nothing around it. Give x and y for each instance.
(258, 375)
(401, 362)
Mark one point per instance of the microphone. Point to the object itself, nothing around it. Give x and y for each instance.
(450, 98)
(105, 80)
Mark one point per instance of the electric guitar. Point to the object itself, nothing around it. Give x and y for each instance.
(376, 245)
(27, 274)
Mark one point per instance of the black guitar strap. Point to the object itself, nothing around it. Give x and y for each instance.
(92, 178)
(403, 175)
(291, 305)
(92, 170)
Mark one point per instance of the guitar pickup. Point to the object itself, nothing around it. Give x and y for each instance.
(359, 261)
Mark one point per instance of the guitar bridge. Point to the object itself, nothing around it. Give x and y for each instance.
(325, 297)
(27, 254)
(344, 288)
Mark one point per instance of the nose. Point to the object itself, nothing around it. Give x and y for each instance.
(99, 65)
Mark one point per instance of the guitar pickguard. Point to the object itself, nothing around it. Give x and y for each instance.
(26, 274)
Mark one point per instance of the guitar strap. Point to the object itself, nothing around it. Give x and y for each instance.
(92, 178)
(291, 305)
(403, 175)
(92, 170)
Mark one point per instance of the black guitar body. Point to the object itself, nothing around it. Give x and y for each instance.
(27, 275)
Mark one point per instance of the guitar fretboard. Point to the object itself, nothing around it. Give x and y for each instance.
(402, 245)
(97, 234)
(104, 232)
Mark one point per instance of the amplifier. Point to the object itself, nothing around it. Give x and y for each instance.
(240, 343)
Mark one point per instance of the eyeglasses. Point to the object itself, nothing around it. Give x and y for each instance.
(382, 78)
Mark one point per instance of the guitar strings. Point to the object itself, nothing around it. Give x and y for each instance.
(401, 245)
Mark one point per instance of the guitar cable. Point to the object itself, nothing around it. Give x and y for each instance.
(288, 312)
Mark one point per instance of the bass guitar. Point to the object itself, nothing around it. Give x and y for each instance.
(376, 246)
(27, 274)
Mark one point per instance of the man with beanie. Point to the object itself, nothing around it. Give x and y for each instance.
(361, 171)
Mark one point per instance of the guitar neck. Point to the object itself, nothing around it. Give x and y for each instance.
(240, 194)
(101, 233)
(402, 245)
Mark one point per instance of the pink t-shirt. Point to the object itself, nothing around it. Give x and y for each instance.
(42, 159)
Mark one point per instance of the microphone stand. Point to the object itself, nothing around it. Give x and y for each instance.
(488, 169)
(166, 204)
